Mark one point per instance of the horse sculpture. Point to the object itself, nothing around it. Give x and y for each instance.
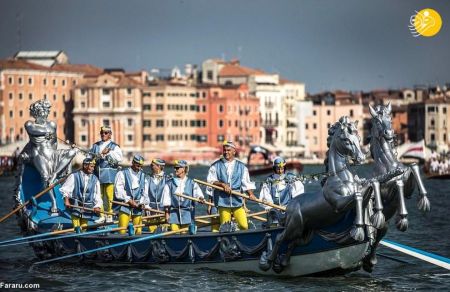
(340, 193)
(396, 189)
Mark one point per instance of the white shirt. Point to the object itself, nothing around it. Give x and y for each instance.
(119, 187)
(69, 185)
(265, 195)
(166, 195)
(247, 184)
(156, 178)
(115, 153)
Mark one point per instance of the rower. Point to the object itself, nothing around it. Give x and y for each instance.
(232, 175)
(108, 155)
(156, 185)
(82, 188)
(279, 189)
(180, 211)
(130, 187)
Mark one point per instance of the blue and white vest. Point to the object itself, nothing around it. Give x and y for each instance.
(222, 199)
(105, 172)
(181, 212)
(135, 194)
(283, 197)
(82, 197)
(155, 192)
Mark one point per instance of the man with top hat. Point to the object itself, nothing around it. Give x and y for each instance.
(108, 155)
(180, 212)
(279, 189)
(82, 189)
(155, 190)
(129, 188)
(232, 175)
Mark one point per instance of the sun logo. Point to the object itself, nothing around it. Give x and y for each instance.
(427, 22)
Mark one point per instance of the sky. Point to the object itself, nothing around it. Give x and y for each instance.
(325, 44)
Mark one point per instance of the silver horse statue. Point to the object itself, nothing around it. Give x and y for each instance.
(392, 192)
(41, 151)
(340, 193)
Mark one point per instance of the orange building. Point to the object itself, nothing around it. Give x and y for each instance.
(23, 82)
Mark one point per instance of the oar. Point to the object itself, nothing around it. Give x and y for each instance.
(282, 208)
(145, 238)
(90, 209)
(68, 230)
(147, 209)
(44, 191)
(420, 254)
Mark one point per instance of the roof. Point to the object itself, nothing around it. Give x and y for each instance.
(20, 64)
(24, 65)
(230, 70)
(37, 54)
(121, 80)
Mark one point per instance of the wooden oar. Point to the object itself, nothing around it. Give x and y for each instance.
(145, 238)
(92, 210)
(195, 199)
(44, 191)
(282, 208)
(420, 254)
(147, 209)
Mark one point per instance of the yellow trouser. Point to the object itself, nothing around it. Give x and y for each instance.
(107, 196)
(124, 219)
(154, 223)
(77, 221)
(175, 227)
(239, 215)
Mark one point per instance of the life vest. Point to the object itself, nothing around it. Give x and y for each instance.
(135, 194)
(221, 198)
(105, 172)
(181, 212)
(83, 196)
(155, 192)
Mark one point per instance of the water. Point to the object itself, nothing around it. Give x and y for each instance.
(430, 232)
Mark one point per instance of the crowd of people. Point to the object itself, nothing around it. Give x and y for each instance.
(439, 164)
(101, 187)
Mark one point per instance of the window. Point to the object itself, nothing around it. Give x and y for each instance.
(83, 138)
(160, 107)
(83, 123)
(20, 81)
(82, 91)
(159, 123)
(63, 82)
(105, 122)
(21, 114)
(444, 137)
(314, 126)
(220, 138)
(315, 140)
(306, 126)
(147, 107)
(130, 122)
(209, 75)
(431, 109)
(106, 91)
(159, 137)
(444, 110)
(54, 82)
(129, 91)
(147, 137)
(160, 94)
(130, 138)
(204, 108)
(54, 114)
(351, 113)
(106, 104)
(328, 113)
(11, 114)
(328, 125)
(30, 80)
(147, 123)
(432, 122)
(45, 81)
(11, 96)
(432, 137)
(20, 96)
(220, 123)
(10, 80)
(220, 108)
(314, 113)
(30, 96)
(54, 96)
(129, 104)
(82, 104)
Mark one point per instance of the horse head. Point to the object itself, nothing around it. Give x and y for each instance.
(382, 122)
(345, 139)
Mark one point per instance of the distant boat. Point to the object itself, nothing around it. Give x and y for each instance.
(266, 167)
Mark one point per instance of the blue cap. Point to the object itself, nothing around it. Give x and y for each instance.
(180, 163)
(138, 159)
(89, 160)
(159, 161)
(229, 143)
(279, 161)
